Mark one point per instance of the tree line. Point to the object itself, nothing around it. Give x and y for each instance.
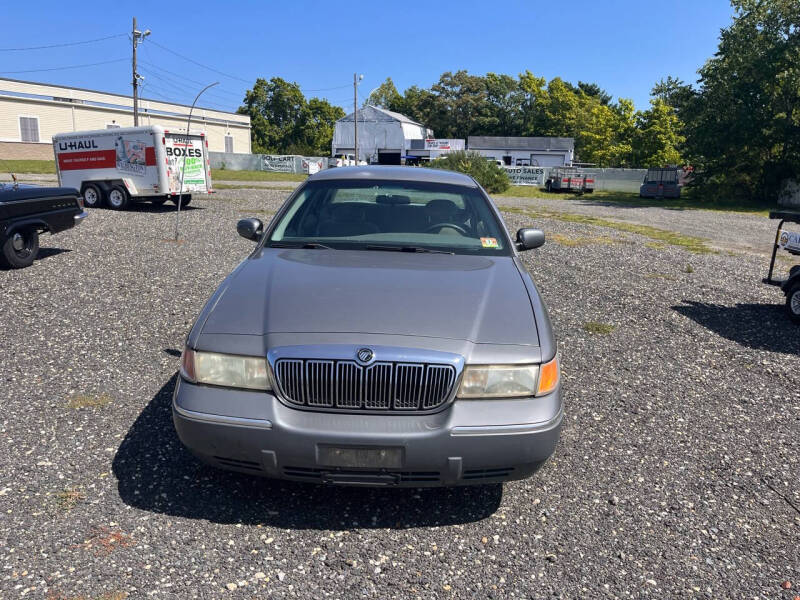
(738, 125)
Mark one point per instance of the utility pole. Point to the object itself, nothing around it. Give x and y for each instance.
(355, 116)
(136, 37)
(356, 79)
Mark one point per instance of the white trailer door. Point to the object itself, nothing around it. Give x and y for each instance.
(186, 157)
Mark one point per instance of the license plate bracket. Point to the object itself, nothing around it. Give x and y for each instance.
(360, 457)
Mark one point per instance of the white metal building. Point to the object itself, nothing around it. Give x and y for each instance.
(31, 113)
(383, 136)
(525, 151)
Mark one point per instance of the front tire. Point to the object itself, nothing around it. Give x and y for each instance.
(118, 198)
(92, 195)
(793, 303)
(20, 249)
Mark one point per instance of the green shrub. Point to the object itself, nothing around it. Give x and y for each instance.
(490, 175)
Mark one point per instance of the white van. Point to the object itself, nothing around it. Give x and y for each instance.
(131, 164)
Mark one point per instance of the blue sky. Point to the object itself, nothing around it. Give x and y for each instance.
(618, 44)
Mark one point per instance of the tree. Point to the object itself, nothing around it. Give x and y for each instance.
(314, 130)
(282, 122)
(595, 91)
(743, 124)
(658, 137)
(492, 177)
(674, 92)
(384, 96)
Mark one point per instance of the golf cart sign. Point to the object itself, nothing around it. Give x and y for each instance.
(281, 164)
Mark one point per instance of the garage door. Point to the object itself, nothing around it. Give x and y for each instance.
(388, 158)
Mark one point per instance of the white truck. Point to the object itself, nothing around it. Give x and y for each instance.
(131, 164)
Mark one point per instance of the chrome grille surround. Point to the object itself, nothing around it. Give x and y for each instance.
(330, 378)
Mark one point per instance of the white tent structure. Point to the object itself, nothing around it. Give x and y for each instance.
(383, 136)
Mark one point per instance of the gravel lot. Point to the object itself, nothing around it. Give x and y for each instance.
(676, 476)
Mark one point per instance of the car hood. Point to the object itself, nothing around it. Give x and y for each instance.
(474, 298)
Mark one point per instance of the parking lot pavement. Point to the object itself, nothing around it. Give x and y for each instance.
(676, 475)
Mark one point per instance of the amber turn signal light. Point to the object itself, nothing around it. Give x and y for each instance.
(548, 377)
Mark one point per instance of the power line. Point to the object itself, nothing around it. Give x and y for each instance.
(108, 37)
(191, 60)
(338, 87)
(183, 90)
(184, 87)
(105, 62)
(168, 96)
(179, 76)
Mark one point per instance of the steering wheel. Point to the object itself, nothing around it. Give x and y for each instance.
(440, 226)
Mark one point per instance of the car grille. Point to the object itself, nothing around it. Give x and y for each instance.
(347, 385)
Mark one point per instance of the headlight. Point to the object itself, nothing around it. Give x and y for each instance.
(509, 381)
(227, 370)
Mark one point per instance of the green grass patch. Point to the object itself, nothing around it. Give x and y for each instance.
(27, 166)
(88, 400)
(598, 328)
(688, 201)
(233, 186)
(572, 241)
(228, 175)
(660, 276)
(690, 243)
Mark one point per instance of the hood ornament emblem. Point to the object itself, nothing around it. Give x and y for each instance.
(365, 355)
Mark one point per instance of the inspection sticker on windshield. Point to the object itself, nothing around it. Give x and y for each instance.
(489, 242)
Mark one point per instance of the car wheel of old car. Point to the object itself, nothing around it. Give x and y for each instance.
(92, 195)
(118, 198)
(793, 303)
(20, 249)
(548, 186)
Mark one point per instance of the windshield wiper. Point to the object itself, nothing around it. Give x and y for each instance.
(408, 249)
(299, 245)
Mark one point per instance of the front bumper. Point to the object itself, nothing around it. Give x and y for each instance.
(80, 217)
(471, 441)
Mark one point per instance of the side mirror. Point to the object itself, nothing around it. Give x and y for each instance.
(250, 229)
(528, 239)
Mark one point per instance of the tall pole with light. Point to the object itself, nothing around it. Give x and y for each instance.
(136, 37)
(356, 79)
(183, 165)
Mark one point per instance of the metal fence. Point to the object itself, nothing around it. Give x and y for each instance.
(279, 163)
(618, 180)
(609, 180)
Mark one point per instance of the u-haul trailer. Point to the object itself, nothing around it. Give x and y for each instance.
(131, 164)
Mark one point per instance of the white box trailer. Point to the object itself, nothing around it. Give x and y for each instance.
(131, 164)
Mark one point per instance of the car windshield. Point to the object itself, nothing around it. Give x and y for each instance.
(391, 215)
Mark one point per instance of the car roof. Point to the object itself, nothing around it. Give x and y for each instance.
(394, 173)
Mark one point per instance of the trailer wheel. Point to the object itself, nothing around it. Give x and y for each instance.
(19, 250)
(548, 186)
(118, 198)
(793, 303)
(186, 199)
(92, 195)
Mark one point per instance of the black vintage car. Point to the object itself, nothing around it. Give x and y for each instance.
(26, 211)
